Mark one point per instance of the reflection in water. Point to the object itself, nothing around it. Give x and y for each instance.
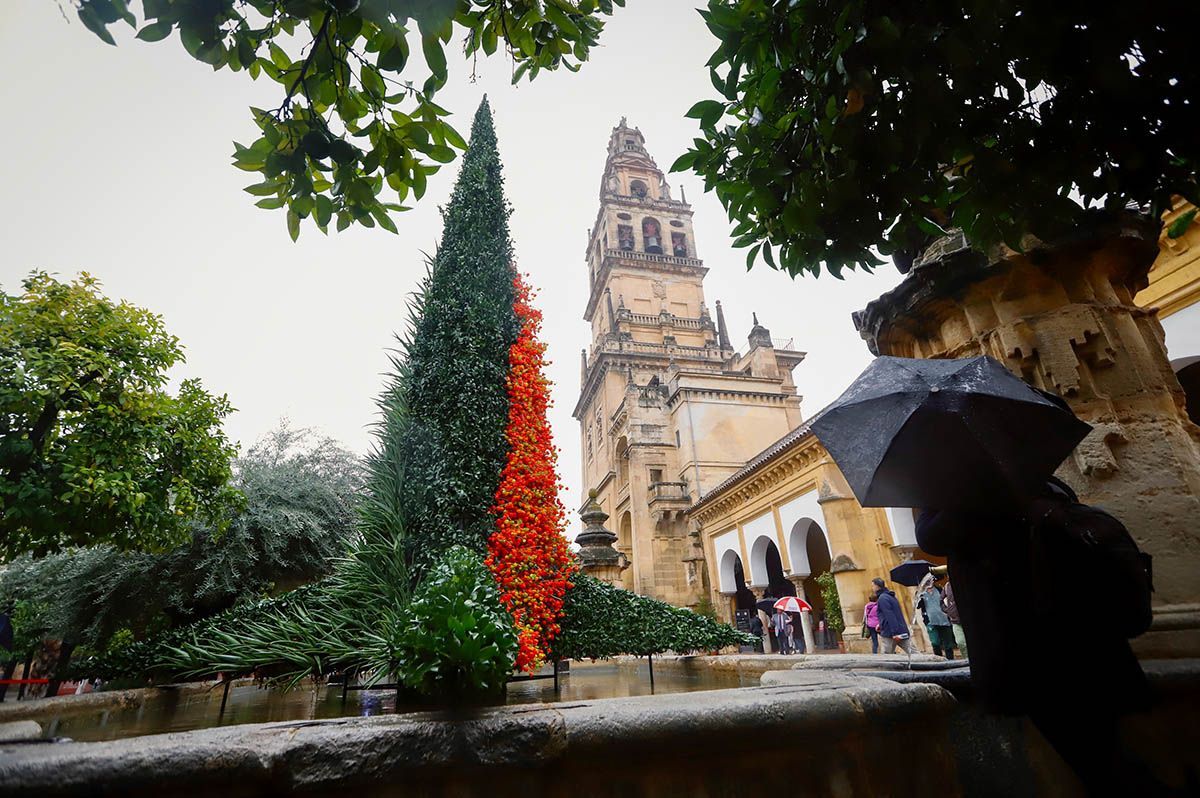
(170, 710)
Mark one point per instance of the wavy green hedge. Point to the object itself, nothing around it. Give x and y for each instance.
(601, 621)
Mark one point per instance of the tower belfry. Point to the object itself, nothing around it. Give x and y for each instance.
(667, 408)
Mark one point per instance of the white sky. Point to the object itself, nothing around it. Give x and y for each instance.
(118, 163)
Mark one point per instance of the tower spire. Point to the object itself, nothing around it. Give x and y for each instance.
(722, 330)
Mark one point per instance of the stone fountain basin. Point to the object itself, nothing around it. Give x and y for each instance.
(838, 733)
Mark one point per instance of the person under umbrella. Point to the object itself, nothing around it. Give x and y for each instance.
(964, 433)
(928, 602)
(781, 622)
(975, 448)
(910, 573)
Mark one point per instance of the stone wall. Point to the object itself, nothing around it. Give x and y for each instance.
(838, 736)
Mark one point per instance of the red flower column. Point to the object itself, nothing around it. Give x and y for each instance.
(528, 553)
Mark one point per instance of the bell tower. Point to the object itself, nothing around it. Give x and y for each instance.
(667, 408)
(639, 223)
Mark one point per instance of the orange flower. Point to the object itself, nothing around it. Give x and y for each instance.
(527, 553)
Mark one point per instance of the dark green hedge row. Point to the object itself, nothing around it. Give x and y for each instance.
(600, 621)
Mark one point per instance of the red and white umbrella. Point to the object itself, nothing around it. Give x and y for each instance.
(792, 604)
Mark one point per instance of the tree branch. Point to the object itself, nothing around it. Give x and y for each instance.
(312, 51)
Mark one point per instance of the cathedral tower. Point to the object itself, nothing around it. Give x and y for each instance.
(667, 408)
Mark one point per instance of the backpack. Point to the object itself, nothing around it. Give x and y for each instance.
(1085, 545)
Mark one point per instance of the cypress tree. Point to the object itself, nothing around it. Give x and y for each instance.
(454, 444)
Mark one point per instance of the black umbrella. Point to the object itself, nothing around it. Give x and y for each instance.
(910, 573)
(961, 433)
(767, 605)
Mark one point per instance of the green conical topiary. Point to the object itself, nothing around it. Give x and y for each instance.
(454, 443)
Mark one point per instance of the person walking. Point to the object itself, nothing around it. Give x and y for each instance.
(871, 620)
(783, 630)
(892, 628)
(951, 608)
(929, 602)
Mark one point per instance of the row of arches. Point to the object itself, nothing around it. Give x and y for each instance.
(808, 553)
(652, 239)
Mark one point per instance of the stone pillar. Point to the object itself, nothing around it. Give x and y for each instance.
(730, 605)
(760, 592)
(806, 625)
(1062, 316)
(597, 557)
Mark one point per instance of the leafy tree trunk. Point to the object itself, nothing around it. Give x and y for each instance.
(60, 668)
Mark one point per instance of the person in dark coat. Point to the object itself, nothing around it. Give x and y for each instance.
(1075, 701)
(893, 630)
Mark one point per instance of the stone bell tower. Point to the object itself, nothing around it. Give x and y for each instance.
(667, 408)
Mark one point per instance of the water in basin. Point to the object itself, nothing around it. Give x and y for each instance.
(171, 711)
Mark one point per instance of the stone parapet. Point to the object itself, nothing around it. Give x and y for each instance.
(706, 743)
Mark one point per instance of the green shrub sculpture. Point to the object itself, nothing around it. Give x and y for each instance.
(601, 621)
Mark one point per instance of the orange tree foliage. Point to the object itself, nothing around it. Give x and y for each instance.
(527, 553)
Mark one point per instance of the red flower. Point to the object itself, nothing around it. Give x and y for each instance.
(527, 553)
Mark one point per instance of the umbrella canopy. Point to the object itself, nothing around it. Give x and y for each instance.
(964, 433)
(766, 605)
(792, 604)
(910, 573)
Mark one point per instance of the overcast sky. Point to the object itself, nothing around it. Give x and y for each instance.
(118, 163)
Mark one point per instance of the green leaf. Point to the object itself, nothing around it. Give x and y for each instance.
(155, 32)
(263, 189)
(270, 203)
(293, 225)
(1178, 227)
(372, 82)
(431, 46)
(707, 111)
(441, 154)
(684, 162)
(278, 57)
(324, 210)
(91, 21)
(392, 59)
(384, 220)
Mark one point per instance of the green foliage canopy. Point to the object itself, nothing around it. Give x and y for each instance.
(352, 121)
(845, 126)
(93, 449)
(298, 517)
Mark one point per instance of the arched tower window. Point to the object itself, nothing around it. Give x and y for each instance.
(679, 245)
(625, 237)
(638, 189)
(652, 235)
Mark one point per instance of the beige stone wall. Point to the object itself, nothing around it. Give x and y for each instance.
(773, 502)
